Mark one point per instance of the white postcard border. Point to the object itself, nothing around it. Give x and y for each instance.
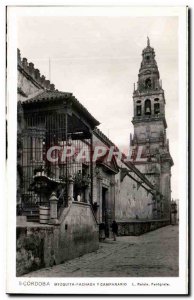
(20, 285)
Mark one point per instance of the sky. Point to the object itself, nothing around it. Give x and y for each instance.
(98, 59)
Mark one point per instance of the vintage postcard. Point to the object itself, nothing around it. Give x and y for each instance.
(97, 150)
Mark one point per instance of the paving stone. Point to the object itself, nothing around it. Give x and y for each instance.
(154, 254)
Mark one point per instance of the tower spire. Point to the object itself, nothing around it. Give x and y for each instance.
(148, 41)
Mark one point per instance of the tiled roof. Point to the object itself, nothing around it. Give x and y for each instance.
(49, 96)
(103, 137)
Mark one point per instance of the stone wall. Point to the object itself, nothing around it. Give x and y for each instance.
(45, 245)
(26, 87)
(34, 248)
(29, 80)
(155, 129)
(140, 227)
(78, 232)
(132, 201)
(165, 187)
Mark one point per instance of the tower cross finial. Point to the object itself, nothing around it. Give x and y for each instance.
(148, 41)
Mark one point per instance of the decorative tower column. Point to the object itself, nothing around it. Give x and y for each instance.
(112, 186)
(70, 189)
(87, 189)
(99, 182)
(53, 209)
(150, 125)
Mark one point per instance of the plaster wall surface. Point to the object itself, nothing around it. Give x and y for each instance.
(132, 201)
(27, 87)
(45, 245)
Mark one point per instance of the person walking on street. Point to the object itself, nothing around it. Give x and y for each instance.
(114, 229)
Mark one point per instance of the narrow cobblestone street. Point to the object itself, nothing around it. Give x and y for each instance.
(148, 255)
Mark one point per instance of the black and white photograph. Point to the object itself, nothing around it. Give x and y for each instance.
(97, 150)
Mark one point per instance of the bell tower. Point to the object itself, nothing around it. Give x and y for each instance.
(150, 131)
